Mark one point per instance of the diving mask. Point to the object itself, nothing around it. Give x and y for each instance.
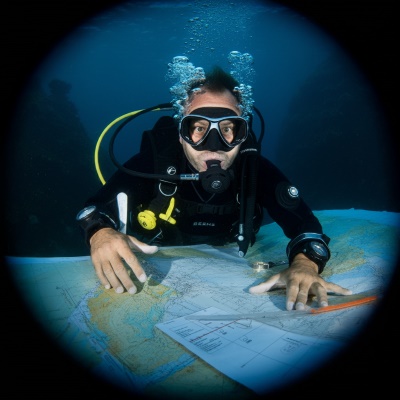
(196, 128)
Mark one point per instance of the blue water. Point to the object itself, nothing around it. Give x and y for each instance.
(117, 61)
(323, 123)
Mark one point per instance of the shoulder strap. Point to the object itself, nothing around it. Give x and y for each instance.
(162, 143)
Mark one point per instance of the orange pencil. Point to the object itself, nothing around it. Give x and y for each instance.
(284, 314)
(335, 307)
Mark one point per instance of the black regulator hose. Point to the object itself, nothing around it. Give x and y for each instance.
(127, 170)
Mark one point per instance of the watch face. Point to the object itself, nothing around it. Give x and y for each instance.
(320, 249)
(293, 192)
(85, 212)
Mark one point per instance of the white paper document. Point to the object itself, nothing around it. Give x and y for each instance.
(257, 355)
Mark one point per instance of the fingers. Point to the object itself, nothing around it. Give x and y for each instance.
(96, 261)
(118, 275)
(112, 273)
(265, 286)
(300, 282)
(132, 261)
(333, 288)
(111, 254)
(321, 293)
(143, 247)
(296, 296)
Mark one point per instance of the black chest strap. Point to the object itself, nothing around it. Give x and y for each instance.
(191, 207)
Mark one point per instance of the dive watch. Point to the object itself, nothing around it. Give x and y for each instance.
(85, 212)
(313, 245)
(91, 219)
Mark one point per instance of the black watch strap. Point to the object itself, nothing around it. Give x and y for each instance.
(94, 221)
(312, 245)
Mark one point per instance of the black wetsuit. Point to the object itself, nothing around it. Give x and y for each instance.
(201, 217)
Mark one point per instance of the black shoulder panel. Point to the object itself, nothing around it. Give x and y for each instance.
(162, 142)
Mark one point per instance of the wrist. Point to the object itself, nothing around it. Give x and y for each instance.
(304, 260)
(91, 220)
(98, 233)
(313, 246)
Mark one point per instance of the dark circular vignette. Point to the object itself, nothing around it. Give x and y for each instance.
(366, 32)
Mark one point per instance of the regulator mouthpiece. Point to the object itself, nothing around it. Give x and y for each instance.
(215, 179)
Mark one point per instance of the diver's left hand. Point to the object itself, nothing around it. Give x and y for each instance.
(301, 280)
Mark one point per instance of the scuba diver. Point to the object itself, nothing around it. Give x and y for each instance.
(199, 178)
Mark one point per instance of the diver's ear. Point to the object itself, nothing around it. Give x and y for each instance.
(180, 139)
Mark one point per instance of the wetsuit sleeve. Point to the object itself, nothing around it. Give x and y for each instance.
(292, 214)
(105, 199)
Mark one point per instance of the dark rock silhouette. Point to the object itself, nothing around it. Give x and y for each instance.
(50, 173)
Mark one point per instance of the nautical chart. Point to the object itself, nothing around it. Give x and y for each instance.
(144, 343)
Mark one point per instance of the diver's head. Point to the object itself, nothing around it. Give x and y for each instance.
(212, 128)
(217, 89)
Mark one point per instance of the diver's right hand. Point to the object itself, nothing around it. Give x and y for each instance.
(108, 250)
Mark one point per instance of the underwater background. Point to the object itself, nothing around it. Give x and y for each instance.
(324, 124)
(325, 80)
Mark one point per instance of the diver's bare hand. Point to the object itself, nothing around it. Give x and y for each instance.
(109, 249)
(301, 280)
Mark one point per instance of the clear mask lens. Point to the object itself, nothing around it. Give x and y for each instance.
(232, 130)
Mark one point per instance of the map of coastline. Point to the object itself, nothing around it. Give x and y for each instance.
(116, 335)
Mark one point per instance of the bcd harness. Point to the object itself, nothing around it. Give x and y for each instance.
(164, 147)
(161, 141)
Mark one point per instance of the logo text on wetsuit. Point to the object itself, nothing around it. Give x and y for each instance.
(201, 223)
